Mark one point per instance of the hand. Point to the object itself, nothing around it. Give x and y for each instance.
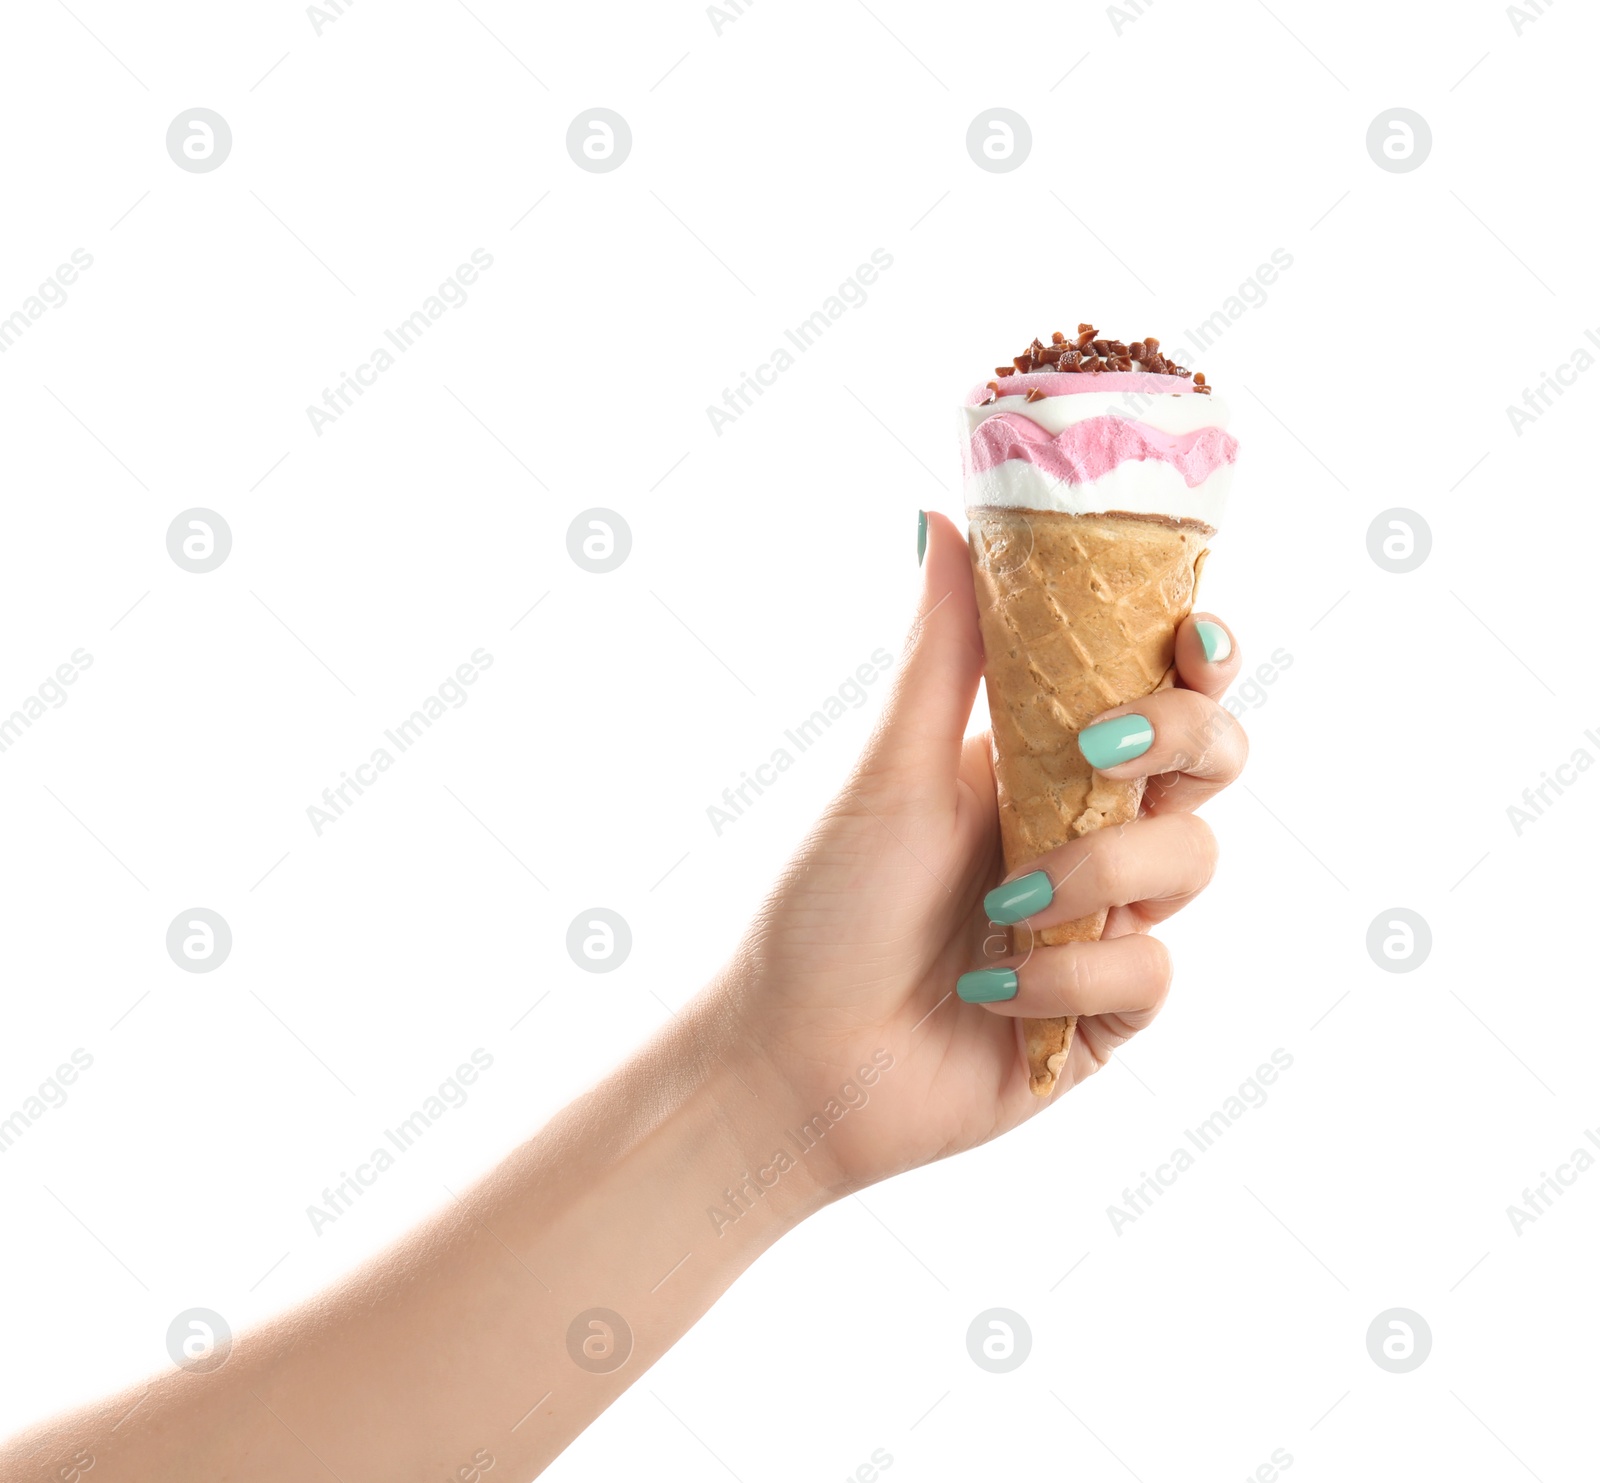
(856, 954)
(852, 964)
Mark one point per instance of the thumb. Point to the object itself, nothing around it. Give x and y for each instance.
(917, 743)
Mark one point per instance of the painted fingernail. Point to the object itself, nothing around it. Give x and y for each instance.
(1214, 640)
(1120, 739)
(922, 537)
(987, 986)
(1014, 900)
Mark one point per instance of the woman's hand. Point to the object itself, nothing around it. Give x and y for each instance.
(538, 1294)
(846, 985)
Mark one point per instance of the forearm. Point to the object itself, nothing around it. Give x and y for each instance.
(468, 1337)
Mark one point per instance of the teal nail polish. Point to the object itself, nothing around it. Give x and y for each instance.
(1214, 640)
(1014, 900)
(922, 535)
(987, 986)
(1119, 740)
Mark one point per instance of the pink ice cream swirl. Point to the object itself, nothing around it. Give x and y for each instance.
(1084, 451)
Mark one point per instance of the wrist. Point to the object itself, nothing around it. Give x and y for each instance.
(798, 1118)
(760, 1171)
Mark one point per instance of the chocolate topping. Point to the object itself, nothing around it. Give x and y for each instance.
(1092, 352)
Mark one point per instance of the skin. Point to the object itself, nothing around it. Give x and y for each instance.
(838, 1005)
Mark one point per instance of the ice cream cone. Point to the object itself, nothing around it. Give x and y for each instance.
(1078, 614)
(1095, 473)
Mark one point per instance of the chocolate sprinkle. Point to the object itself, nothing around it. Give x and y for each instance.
(1091, 352)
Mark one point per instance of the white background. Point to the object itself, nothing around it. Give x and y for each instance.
(768, 562)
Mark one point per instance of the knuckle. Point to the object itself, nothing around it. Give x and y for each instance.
(1216, 730)
(1079, 977)
(1158, 968)
(1069, 981)
(1111, 869)
(1230, 742)
(1203, 844)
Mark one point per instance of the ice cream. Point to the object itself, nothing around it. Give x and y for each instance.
(1142, 441)
(1096, 472)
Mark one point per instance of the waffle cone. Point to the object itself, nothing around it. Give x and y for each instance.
(1078, 614)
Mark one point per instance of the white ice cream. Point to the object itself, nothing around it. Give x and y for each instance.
(1140, 454)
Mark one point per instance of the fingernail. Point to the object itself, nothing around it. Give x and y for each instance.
(987, 986)
(1013, 900)
(1120, 739)
(922, 537)
(1214, 640)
